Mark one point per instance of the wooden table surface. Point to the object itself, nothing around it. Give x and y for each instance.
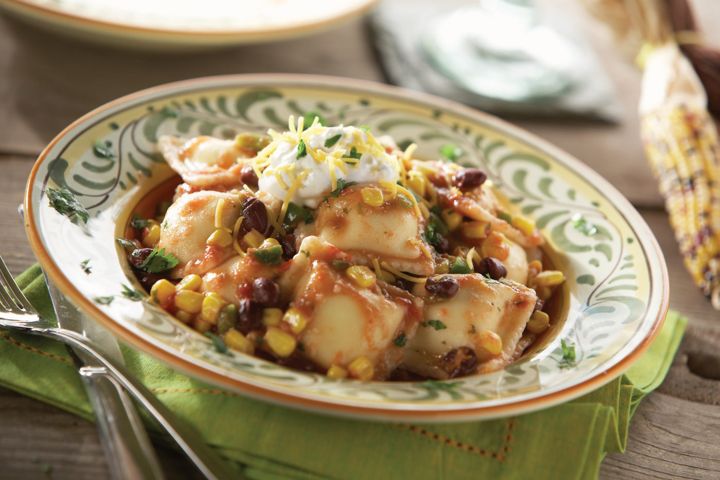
(47, 81)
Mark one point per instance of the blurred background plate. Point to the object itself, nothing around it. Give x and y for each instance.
(184, 24)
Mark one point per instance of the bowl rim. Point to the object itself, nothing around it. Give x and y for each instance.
(593, 381)
(176, 35)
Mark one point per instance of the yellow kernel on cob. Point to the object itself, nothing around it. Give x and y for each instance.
(490, 342)
(272, 317)
(237, 341)
(189, 301)
(254, 238)
(162, 291)
(452, 219)
(281, 343)
(151, 235)
(362, 369)
(474, 229)
(549, 278)
(524, 224)
(539, 322)
(336, 372)
(372, 196)
(361, 275)
(295, 319)
(220, 238)
(211, 306)
(417, 182)
(190, 282)
(184, 317)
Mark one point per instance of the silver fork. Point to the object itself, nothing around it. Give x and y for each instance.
(16, 313)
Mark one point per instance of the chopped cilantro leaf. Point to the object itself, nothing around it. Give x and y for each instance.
(332, 140)
(269, 256)
(159, 261)
(365, 128)
(504, 216)
(451, 152)
(400, 340)
(354, 154)
(85, 265)
(341, 185)
(435, 230)
(138, 222)
(131, 294)
(217, 342)
(568, 354)
(104, 300)
(103, 150)
(583, 226)
(310, 117)
(295, 214)
(65, 203)
(301, 150)
(436, 324)
(460, 266)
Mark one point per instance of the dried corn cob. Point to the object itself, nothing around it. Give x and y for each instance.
(681, 143)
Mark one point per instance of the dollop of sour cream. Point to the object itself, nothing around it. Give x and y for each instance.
(299, 167)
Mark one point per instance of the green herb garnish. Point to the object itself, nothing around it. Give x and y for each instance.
(435, 230)
(138, 222)
(504, 216)
(436, 324)
(460, 266)
(583, 226)
(341, 185)
(295, 214)
(104, 300)
(128, 245)
(451, 152)
(310, 117)
(568, 354)
(65, 203)
(400, 340)
(332, 140)
(131, 294)
(354, 154)
(217, 342)
(103, 150)
(159, 261)
(301, 149)
(85, 265)
(269, 256)
(339, 264)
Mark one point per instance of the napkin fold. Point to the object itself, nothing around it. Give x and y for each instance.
(270, 442)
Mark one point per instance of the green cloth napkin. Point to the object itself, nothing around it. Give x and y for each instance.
(269, 442)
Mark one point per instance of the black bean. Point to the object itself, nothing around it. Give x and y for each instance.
(147, 280)
(404, 284)
(249, 316)
(138, 256)
(470, 178)
(441, 244)
(459, 362)
(287, 242)
(248, 176)
(255, 215)
(491, 266)
(442, 287)
(265, 292)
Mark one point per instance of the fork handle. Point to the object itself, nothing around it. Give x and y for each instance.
(124, 439)
(205, 459)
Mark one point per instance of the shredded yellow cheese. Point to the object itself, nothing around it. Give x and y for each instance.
(219, 211)
(469, 258)
(235, 231)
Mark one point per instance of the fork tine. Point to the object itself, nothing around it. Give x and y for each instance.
(15, 294)
(6, 302)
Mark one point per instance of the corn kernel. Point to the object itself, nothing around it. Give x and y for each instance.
(452, 219)
(151, 235)
(211, 306)
(238, 341)
(534, 268)
(190, 282)
(372, 196)
(296, 319)
(254, 238)
(272, 317)
(336, 372)
(362, 369)
(549, 278)
(269, 243)
(474, 229)
(524, 224)
(201, 325)
(417, 182)
(361, 275)
(490, 342)
(495, 245)
(184, 317)
(189, 301)
(162, 291)
(543, 293)
(220, 238)
(539, 322)
(281, 343)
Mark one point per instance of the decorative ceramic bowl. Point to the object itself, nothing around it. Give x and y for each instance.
(611, 306)
(174, 25)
